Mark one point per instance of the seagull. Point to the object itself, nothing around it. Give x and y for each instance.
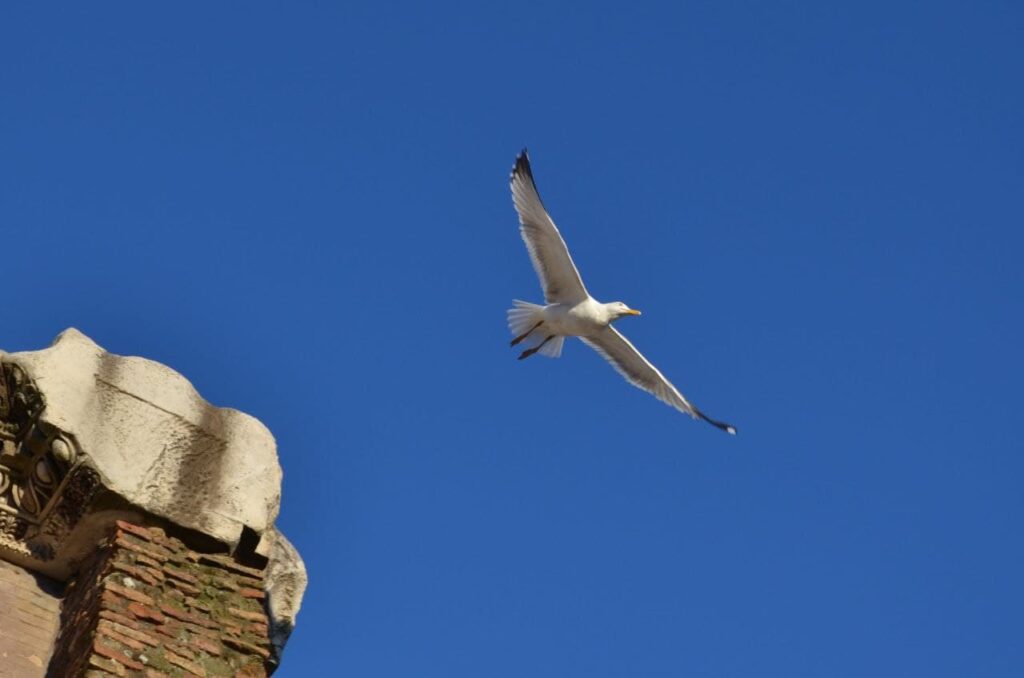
(569, 310)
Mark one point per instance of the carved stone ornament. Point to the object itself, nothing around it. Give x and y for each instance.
(39, 465)
(88, 437)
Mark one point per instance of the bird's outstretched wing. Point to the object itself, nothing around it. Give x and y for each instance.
(638, 371)
(558, 275)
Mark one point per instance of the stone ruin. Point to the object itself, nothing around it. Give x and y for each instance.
(136, 523)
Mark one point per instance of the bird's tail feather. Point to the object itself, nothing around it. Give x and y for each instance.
(553, 348)
(523, 317)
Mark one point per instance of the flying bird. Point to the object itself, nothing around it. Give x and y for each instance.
(570, 311)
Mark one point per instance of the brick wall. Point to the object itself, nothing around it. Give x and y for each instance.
(146, 605)
(29, 617)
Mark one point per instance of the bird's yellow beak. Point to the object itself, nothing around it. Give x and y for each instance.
(633, 311)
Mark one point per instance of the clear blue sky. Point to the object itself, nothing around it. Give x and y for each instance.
(817, 206)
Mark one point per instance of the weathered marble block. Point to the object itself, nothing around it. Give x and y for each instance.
(88, 437)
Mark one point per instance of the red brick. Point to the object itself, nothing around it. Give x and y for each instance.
(259, 630)
(247, 648)
(112, 634)
(252, 593)
(136, 572)
(158, 532)
(159, 537)
(187, 588)
(206, 645)
(154, 572)
(191, 667)
(142, 559)
(225, 583)
(181, 650)
(180, 574)
(130, 594)
(153, 551)
(251, 671)
(169, 630)
(199, 630)
(187, 616)
(110, 653)
(135, 634)
(230, 565)
(251, 616)
(143, 612)
(138, 531)
(248, 581)
(98, 662)
(112, 601)
(120, 618)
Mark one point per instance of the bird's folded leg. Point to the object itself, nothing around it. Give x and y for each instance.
(524, 335)
(530, 351)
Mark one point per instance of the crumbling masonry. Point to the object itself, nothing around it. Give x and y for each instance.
(137, 529)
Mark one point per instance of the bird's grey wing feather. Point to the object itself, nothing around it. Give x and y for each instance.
(637, 370)
(555, 268)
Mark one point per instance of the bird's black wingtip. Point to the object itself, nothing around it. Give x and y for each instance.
(728, 428)
(522, 165)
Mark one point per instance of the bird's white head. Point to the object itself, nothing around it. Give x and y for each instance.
(617, 310)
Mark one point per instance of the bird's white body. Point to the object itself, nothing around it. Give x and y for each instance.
(583, 319)
(570, 310)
